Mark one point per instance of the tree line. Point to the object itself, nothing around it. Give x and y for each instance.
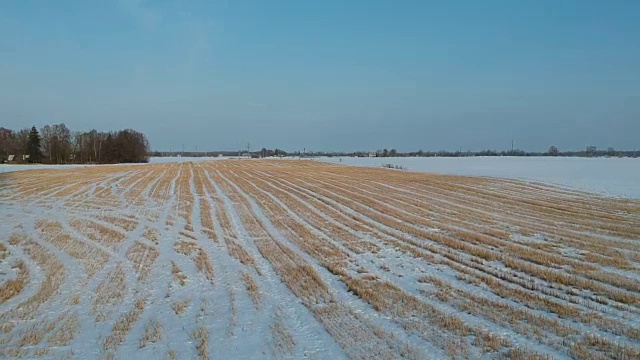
(589, 151)
(57, 144)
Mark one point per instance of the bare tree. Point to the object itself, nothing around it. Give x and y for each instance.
(46, 136)
(22, 144)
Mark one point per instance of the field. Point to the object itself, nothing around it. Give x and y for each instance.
(294, 259)
(618, 177)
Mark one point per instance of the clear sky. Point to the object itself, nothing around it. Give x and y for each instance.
(328, 75)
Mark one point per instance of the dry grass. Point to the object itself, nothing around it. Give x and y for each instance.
(282, 336)
(126, 223)
(179, 307)
(542, 263)
(142, 258)
(160, 191)
(489, 342)
(252, 289)
(178, 275)
(201, 336)
(123, 325)
(206, 219)
(480, 243)
(185, 196)
(299, 276)
(75, 300)
(152, 235)
(54, 275)
(152, 333)
(204, 265)
(239, 252)
(109, 293)
(350, 329)
(92, 258)
(381, 212)
(65, 332)
(35, 333)
(199, 257)
(13, 287)
(524, 354)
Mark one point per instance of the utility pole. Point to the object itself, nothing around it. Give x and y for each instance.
(248, 149)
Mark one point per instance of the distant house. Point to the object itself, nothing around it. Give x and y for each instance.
(10, 158)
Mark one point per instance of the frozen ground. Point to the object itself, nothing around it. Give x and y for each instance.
(617, 177)
(153, 160)
(11, 167)
(303, 259)
(607, 176)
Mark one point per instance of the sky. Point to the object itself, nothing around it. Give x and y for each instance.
(328, 75)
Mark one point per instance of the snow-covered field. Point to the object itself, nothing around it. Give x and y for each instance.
(305, 259)
(4, 168)
(152, 160)
(607, 176)
(167, 159)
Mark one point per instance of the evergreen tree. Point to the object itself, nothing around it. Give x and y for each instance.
(33, 146)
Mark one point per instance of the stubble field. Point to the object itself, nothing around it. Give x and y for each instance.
(294, 258)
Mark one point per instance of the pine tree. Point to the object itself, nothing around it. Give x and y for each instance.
(33, 146)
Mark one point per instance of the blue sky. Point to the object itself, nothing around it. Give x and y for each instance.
(328, 75)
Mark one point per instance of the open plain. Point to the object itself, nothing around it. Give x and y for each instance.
(296, 258)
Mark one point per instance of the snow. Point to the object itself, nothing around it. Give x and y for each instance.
(618, 177)
(4, 168)
(239, 327)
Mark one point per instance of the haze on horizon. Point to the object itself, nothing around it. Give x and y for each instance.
(328, 75)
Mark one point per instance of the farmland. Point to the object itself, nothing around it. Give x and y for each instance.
(295, 258)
